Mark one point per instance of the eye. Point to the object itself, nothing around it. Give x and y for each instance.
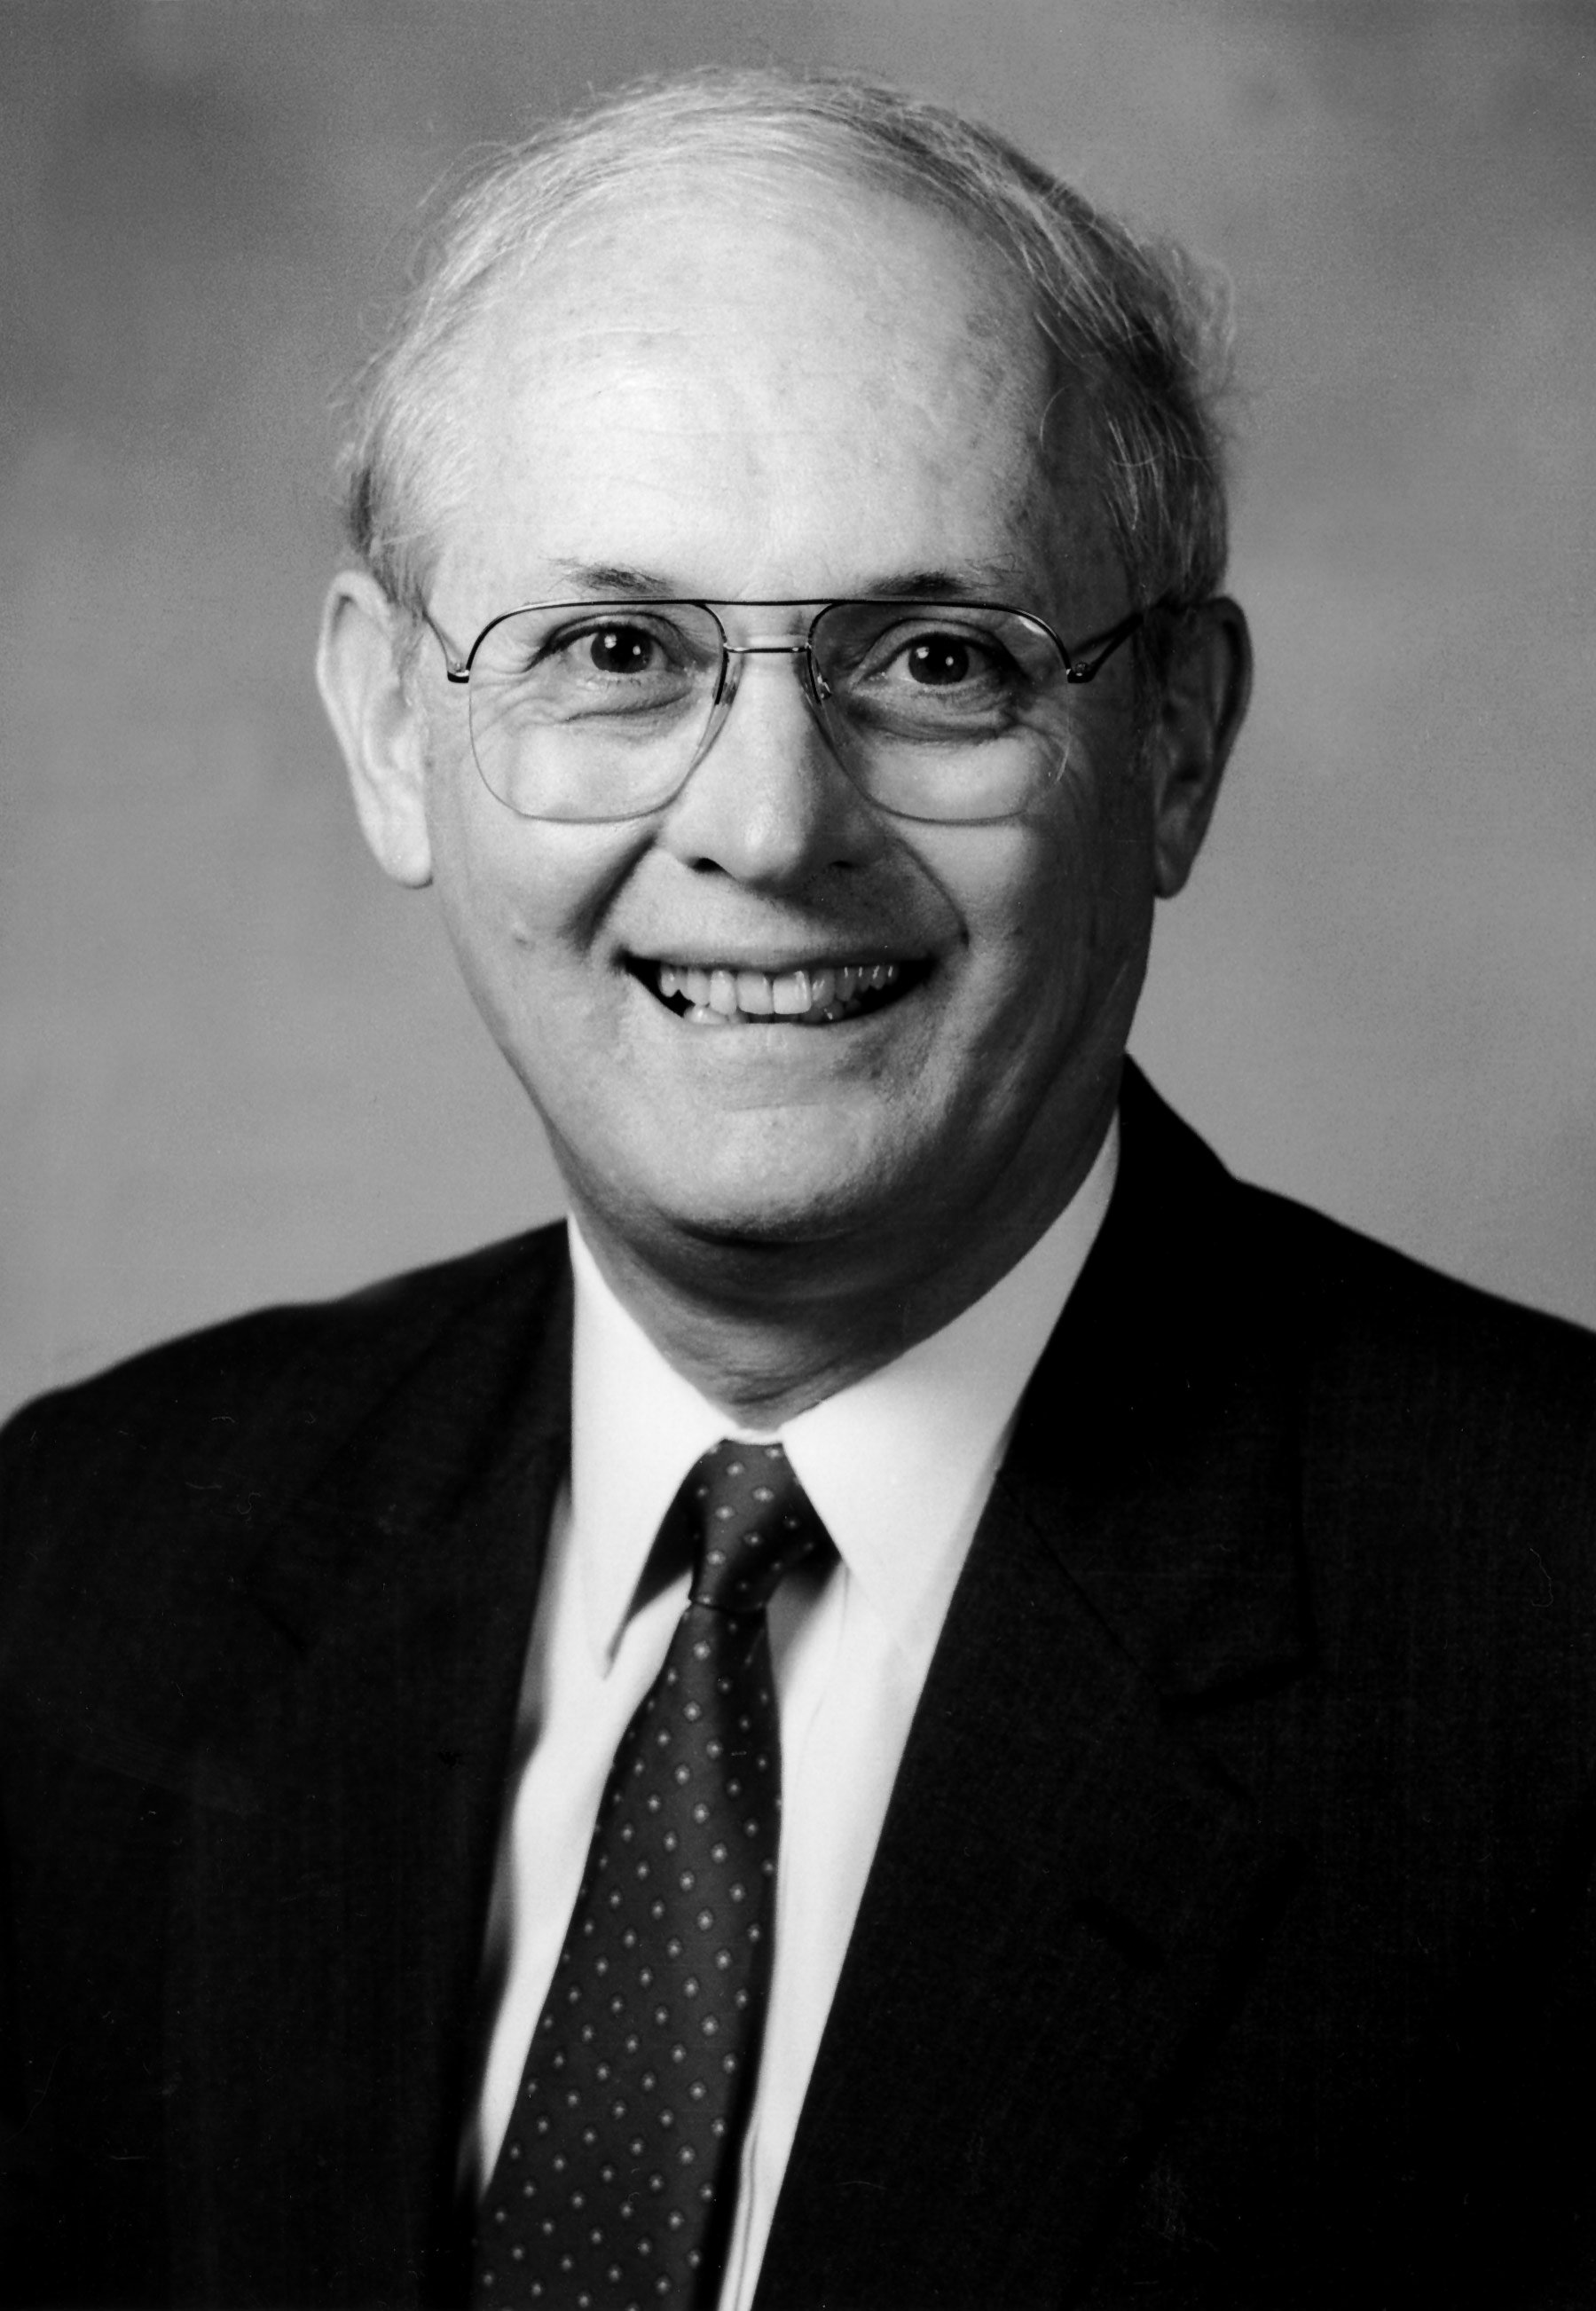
(613, 649)
(940, 661)
(945, 660)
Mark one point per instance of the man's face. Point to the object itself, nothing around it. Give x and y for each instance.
(730, 394)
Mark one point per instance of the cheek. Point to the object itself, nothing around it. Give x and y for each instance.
(524, 899)
(1061, 918)
(483, 893)
(1102, 839)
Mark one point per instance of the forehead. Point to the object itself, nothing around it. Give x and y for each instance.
(760, 383)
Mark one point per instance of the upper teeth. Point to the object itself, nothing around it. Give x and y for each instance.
(784, 994)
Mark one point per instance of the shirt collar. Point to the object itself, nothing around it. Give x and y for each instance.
(898, 1465)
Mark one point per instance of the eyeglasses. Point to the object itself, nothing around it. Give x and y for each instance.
(940, 710)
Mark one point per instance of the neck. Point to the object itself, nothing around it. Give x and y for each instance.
(767, 1329)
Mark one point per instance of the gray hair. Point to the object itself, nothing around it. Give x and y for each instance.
(1137, 321)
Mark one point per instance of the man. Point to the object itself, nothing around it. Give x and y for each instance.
(1013, 1725)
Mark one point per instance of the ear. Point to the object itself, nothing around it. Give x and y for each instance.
(1199, 713)
(380, 725)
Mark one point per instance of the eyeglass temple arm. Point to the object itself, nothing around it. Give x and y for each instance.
(1090, 656)
(455, 668)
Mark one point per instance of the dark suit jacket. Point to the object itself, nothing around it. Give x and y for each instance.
(1230, 1937)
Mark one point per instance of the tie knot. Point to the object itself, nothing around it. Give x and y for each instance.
(753, 1523)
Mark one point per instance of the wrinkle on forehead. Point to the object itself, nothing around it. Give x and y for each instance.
(735, 317)
(850, 221)
(700, 270)
(695, 260)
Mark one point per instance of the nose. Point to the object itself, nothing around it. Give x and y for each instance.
(768, 802)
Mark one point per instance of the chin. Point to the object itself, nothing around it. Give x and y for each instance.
(770, 1214)
(791, 1216)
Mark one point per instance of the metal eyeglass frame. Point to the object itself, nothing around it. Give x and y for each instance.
(1081, 663)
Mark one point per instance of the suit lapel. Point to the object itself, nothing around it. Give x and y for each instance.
(385, 1629)
(1070, 1891)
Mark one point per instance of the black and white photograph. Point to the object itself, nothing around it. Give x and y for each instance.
(798, 1154)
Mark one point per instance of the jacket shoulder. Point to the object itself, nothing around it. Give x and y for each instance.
(263, 1396)
(1301, 1277)
(1373, 1317)
(1423, 1421)
(1445, 1442)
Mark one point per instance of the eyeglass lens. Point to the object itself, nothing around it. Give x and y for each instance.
(599, 711)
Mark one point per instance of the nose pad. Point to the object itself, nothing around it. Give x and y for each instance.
(811, 681)
(720, 706)
(812, 688)
(815, 692)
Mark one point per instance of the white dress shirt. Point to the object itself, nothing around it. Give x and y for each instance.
(899, 1468)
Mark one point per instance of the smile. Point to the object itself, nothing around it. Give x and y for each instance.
(729, 996)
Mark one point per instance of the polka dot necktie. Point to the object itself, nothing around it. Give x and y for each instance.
(616, 2177)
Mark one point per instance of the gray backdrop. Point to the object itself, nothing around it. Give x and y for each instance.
(235, 1065)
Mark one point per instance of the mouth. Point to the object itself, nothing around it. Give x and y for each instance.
(822, 995)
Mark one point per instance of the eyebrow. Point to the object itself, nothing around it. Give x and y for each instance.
(618, 581)
(614, 581)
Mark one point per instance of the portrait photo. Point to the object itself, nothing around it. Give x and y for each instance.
(797, 1143)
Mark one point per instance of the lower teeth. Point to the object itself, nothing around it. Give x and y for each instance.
(827, 1015)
